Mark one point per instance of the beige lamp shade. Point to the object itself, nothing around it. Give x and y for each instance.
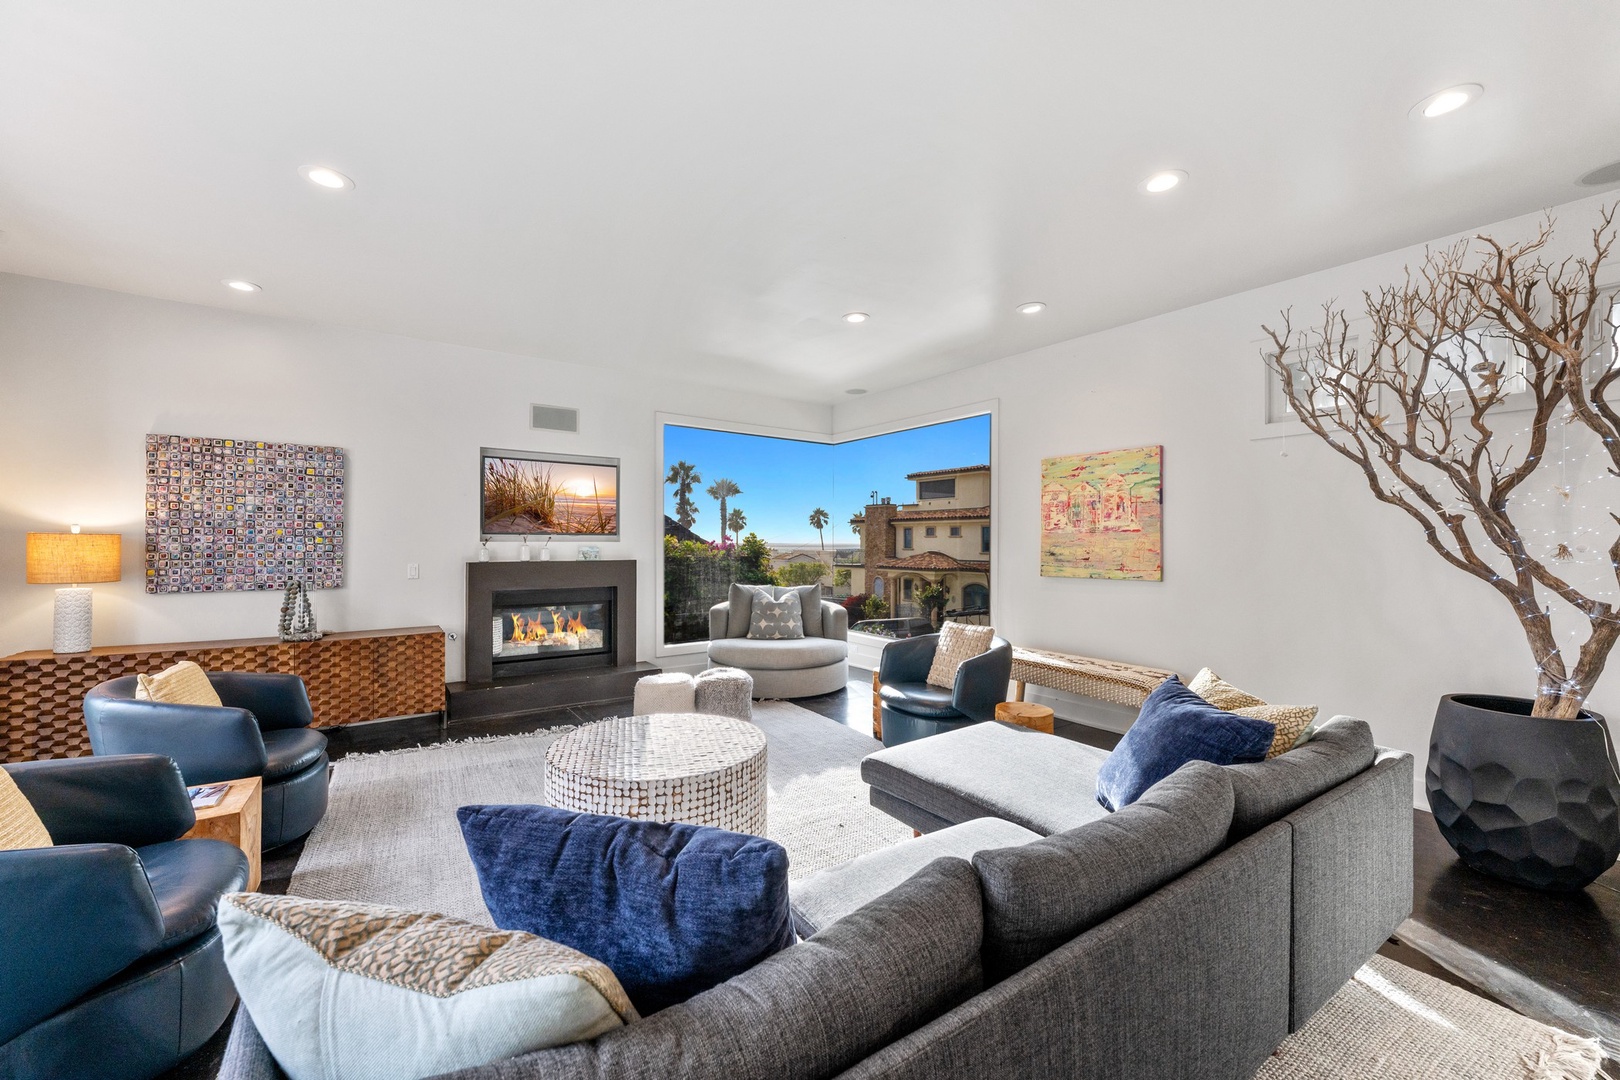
(74, 558)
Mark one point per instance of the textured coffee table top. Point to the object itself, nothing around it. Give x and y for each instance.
(664, 747)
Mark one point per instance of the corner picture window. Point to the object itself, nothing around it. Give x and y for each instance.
(756, 509)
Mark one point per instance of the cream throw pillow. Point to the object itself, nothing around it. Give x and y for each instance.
(366, 992)
(957, 642)
(183, 684)
(1290, 720)
(20, 826)
(1220, 693)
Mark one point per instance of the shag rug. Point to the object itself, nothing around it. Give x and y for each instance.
(390, 834)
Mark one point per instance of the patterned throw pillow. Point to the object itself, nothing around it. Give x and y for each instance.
(776, 620)
(368, 992)
(957, 642)
(20, 826)
(1220, 693)
(183, 684)
(1290, 720)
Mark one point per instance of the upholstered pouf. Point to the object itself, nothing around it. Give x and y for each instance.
(702, 770)
(669, 692)
(725, 691)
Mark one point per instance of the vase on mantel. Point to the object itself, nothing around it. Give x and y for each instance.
(1530, 800)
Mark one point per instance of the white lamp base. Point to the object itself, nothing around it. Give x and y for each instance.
(70, 630)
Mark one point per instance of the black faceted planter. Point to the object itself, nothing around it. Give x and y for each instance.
(1525, 799)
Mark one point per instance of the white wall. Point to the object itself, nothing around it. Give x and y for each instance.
(1281, 571)
(85, 373)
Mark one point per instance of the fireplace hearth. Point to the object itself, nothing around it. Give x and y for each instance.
(542, 635)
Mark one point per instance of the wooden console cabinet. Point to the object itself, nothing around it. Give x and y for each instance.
(351, 675)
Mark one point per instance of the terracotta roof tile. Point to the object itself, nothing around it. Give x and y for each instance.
(947, 472)
(932, 560)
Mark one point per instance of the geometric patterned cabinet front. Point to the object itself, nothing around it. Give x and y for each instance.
(353, 675)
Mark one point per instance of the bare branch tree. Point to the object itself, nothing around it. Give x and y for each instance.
(1417, 403)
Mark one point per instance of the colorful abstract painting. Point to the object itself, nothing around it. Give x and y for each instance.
(1102, 515)
(224, 515)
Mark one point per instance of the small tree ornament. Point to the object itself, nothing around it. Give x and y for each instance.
(1420, 403)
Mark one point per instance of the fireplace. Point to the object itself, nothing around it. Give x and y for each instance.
(536, 630)
(543, 621)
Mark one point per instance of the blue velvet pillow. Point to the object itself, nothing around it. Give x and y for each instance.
(672, 909)
(1174, 727)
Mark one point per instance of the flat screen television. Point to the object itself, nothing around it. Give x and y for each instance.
(535, 494)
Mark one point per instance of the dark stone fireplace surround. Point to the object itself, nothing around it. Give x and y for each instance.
(596, 678)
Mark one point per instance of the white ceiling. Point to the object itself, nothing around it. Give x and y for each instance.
(705, 188)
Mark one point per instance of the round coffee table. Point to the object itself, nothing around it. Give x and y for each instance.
(701, 770)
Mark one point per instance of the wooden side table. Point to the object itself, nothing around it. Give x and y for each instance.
(1025, 714)
(236, 819)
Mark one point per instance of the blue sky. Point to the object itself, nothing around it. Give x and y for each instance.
(782, 480)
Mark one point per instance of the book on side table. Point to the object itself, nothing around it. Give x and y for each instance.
(236, 818)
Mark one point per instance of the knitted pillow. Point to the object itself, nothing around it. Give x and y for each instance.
(957, 642)
(20, 826)
(182, 684)
(368, 992)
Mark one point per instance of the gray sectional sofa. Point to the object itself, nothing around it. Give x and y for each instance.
(1031, 934)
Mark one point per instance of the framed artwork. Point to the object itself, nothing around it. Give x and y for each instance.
(1102, 515)
(531, 494)
(226, 515)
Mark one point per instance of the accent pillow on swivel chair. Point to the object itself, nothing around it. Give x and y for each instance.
(672, 909)
(1174, 727)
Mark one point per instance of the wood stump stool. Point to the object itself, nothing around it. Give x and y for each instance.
(1025, 714)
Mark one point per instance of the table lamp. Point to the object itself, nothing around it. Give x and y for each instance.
(74, 559)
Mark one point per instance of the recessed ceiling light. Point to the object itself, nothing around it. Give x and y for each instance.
(856, 390)
(1603, 176)
(856, 317)
(321, 176)
(241, 286)
(1034, 307)
(1160, 182)
(1445, 101)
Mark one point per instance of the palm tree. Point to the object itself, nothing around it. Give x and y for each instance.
(723, 489)
(736, 522)
(818, 521)
(685, 477)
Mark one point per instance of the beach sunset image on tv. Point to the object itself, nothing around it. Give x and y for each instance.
(536, 497)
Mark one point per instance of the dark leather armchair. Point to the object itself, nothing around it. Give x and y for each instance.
(911, 709)
(110, 963)
(262, 729)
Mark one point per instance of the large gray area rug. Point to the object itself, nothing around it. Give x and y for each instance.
(390, 837)
(1393, 1023)
(390, 834)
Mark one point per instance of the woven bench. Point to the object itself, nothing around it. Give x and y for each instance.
(1105, 680)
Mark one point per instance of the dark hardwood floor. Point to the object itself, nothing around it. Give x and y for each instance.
(1506, 925)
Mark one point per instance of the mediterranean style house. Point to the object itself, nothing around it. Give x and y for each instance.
(941, 538)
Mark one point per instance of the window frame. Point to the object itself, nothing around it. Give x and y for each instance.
(906, 538)
(650, 602)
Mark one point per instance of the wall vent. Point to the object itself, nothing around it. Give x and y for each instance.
(553, 418)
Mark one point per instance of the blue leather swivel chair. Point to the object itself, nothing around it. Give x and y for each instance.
(911, 709)
(111, 967)
(262, 729)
